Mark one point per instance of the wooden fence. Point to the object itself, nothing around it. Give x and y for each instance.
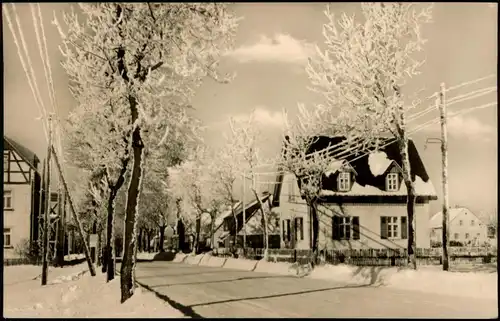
(372, 257)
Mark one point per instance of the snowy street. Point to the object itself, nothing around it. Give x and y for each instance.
(219, 292)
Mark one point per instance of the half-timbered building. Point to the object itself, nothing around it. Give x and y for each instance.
(21, 195)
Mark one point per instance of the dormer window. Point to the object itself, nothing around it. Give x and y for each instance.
(344, 181)
(392, 182)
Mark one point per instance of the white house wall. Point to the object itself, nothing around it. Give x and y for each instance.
(369, 221)
(477, 231)
(18, 219)
(292, 206)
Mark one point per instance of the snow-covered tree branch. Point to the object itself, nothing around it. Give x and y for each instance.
(140, 63)
(362, 73)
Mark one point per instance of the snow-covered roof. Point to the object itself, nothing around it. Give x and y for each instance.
(227, 213)
(337, 165)
(421, 189)
(369, 169)
(436, 220)
(378, 163)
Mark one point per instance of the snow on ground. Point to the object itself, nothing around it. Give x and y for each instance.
(429, 279)
(72, 292)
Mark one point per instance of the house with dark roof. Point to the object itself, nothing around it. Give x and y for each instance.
(464, 228)
(21, 195)
(225, 227)
(362, 201)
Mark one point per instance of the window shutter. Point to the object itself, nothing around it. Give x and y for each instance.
(295, 229)
(284, 231)
(288, 230)
(355, 227)
(404, 228)
(383, 227)
(300, 228)
(335, 224)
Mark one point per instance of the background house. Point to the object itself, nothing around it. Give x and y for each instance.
(363, 202)
(465, 227)
(225, 226)
(21, 195)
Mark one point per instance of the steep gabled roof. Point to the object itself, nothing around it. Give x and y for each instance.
(436, 220)
(367, 183)
(27, 155)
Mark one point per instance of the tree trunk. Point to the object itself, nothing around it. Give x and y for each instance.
(149, 241)
(410, 202)
(128, 262)
(140, 244)
(212, 231)
(265, 228)
(162, 237)
(235, 239)
(315, 231)
(196, 240)
(109, 258)
(98, 247)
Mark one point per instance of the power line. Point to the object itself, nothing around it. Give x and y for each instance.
(470, 82)
(30, 82)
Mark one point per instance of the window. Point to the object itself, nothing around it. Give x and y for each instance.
(6, 237)
(299, 228)
(53, 197)
(7, 200)
(392, 227)
(342, 226)
(467, 236)
(5, 161)
(491, 232)
(472, 222)
(226, 225)
(461, 222)
(392, 182)
(344, 181)
(456, 236)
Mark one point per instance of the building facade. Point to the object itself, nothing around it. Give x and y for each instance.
(464, 228)
(362, 203)
(21, 196)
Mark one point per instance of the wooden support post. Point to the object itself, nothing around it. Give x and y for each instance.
(244, 214)
(41, 211)
(74, 214)
(444, 151)
(46, 221)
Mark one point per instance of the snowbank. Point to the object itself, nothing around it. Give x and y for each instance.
(240, 264)
(276, 268)
(425, 279)
(78, 295)
(179, 257)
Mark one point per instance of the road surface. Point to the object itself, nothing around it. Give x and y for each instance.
(203, 292)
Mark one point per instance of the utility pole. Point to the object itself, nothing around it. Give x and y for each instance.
(59, 261)
(244, 213)
(79, 225)
(46, 221)
(441, 105)
(444, 152)
(41, 210)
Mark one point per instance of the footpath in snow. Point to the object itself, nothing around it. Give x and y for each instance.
(72, 293)
(430, 279)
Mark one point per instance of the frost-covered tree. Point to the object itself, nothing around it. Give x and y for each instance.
(93, 141)
(194, 183)
(141, 62)
(362, 72)
(308, 166)
(243, 141)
